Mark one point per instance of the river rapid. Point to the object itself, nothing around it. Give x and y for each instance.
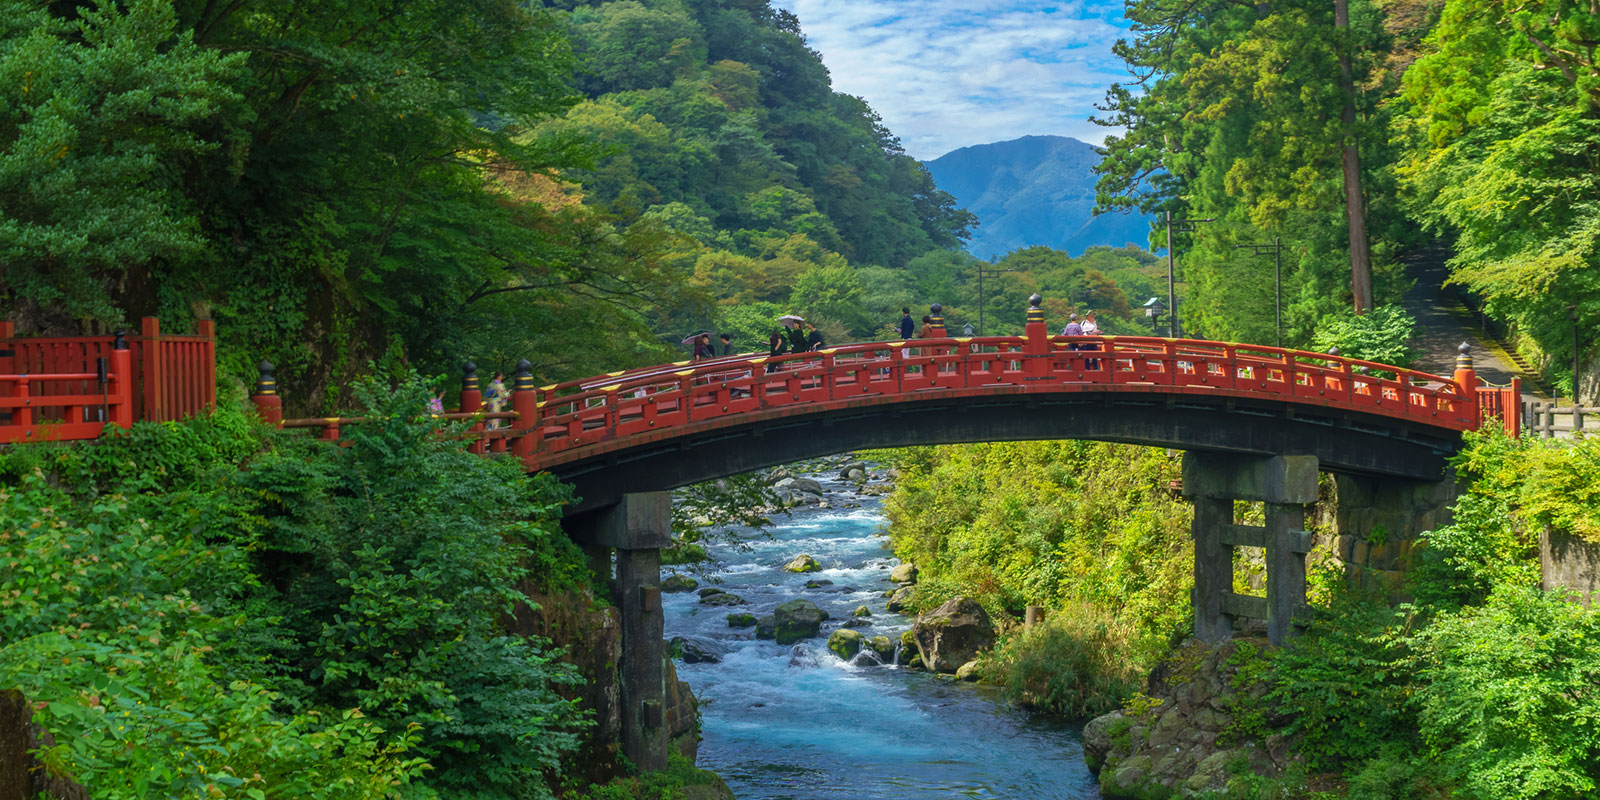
(795, 722)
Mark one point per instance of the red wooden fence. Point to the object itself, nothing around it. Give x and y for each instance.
(50, 387)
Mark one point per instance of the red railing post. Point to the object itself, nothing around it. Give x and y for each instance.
(1467, 380)
(121, 376)
(1036, 340)
(525, 401)
(152, 372)
(208, 364)
(268, 404)
(472, 401)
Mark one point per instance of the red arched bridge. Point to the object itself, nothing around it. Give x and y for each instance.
(663, 427)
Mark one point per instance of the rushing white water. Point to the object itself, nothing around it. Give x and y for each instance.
(795, 722)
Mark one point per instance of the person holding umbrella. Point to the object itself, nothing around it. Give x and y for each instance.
(797, 335)
(702, 345)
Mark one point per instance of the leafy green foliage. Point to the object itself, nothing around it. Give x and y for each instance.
(1504, 150)
(1073, 665)
(338, 607)
(1381, 335)
(1082, 526)
(1508, 704)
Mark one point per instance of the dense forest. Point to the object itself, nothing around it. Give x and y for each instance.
(1355, 131)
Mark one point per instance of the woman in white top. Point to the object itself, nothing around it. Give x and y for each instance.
(1089, 326)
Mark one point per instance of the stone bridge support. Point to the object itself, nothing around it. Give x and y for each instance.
(1376, 523)
(636, 528)
(1286, 484)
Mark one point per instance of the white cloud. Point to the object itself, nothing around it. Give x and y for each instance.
(945, 74)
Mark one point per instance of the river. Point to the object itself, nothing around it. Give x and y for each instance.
(795, 722)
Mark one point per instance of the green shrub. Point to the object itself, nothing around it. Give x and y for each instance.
(1073, 664)
(1344, 683)
(1381, 335)
(99, 629)
(1510, 696)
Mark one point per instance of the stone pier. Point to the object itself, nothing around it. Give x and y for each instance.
(1286, 484)
(636, 528)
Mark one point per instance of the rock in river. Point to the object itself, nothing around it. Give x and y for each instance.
(741, 620)
(695, 651)
(845, 643)
(953, 634)
(708, 591)
(803, 563)
(818, 584)
(796, 620)
(882, 647)
(767, 627)
(801, 485)
(861, 611)
(905, 573)
(679, 583)
(900, 601)
(722, 599)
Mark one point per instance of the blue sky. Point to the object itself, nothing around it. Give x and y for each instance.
(945, 74)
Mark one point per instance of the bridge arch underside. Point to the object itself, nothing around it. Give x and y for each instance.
(1343, 441)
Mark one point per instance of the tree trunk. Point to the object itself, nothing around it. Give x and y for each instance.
(1355, 206)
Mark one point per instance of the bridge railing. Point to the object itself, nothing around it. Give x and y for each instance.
(552, 424)
(582, 413)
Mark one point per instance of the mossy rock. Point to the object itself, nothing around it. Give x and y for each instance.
(845, 643)
(883, 647)
(723, 599)
(767, 627)
(803, 563)
(679, 583)
(861, 611)
(741, 620)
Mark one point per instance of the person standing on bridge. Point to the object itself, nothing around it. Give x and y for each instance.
(813, 337)
(727, 344)
(797, 335)
(494, 398)
(907, 327)
(1073, 328)
(1090, 328)
(702, 347)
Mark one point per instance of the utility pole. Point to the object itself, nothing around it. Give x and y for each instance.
(981, 270)
(1174, 329)
(1276, 249)
(1572, 312)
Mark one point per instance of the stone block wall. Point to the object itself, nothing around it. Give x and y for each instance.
(1568, 562)
(1376, 524)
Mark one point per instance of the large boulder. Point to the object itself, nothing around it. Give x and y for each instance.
(1097, 739)
(853, 466)
(708, 591)
(845, 643)
(803, 563)
(861, 611)
(799, 486)
(900, 600)
(767, 627)
(953, 634)
(679, 583)
(722, 599)
(695, 651)
(796, 620)
(905, 573)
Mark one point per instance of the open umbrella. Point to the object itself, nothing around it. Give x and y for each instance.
(788, 317)
(693, 336)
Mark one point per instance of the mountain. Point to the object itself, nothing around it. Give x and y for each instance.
(1030, 191)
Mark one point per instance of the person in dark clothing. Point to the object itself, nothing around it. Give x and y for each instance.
(813, 337)
(727, 344)
(907, 325)
(797, 338)
(702, 347)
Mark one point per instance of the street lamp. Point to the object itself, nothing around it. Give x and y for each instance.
(992, 272)
(1181, 226)
(1154, 308)
(1276, 249)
